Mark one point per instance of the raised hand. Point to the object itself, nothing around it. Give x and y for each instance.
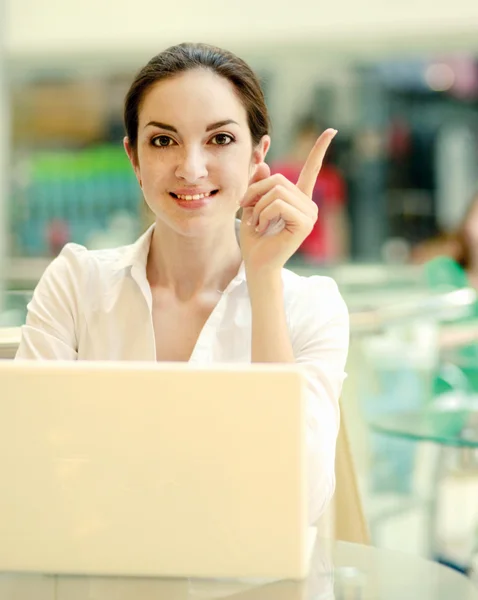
(277, 214)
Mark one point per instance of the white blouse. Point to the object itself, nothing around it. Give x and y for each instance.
(97, 305)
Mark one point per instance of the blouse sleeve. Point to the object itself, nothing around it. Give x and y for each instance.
(51, 326)
(320, 339)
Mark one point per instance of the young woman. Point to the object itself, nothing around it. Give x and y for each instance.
(197, 286)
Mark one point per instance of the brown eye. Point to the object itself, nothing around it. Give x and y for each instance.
(222, 139)
(162, 141)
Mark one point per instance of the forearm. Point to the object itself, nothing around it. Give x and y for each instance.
(455, 337)
(270, 334)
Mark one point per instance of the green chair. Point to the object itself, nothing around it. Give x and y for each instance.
(444, 274)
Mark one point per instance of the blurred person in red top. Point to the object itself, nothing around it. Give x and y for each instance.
(328, 241)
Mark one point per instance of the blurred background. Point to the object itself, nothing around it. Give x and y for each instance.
(398, 198)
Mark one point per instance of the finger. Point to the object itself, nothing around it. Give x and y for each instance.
(313, 164)
(259, 188)
(281, 210)
(293, 197)
(275, 227)
(262, 172)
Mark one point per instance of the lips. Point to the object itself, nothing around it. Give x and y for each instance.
(196, 196)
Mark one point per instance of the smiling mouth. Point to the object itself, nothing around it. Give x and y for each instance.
(188, 197)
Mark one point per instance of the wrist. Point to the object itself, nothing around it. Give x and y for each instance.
(264, 282)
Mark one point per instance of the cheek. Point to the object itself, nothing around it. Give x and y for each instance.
(152, 167)
(235, 167)
(236, 179)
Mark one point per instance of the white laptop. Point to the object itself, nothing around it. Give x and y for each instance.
(153, 470)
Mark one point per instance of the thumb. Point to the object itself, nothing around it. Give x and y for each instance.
(263, 171)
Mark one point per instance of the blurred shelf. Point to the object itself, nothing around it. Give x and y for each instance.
(25, 272)
(364, 274)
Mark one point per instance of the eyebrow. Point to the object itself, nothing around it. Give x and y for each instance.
(210, 127)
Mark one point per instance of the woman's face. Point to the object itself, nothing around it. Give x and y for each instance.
(194, 154)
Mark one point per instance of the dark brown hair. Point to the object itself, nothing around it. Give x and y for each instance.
(462, 237)
(186, 57)
(456, 244)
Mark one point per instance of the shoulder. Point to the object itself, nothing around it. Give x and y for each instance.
(317, 318)
(315, 296)
(78, 274)
(76, 261)
(317, 314)
(65, 268)
(79, 279)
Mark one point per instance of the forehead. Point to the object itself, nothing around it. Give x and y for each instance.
(192, 99)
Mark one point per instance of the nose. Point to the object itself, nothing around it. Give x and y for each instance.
(192, 164)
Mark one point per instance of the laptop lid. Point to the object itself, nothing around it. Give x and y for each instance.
(153, 469)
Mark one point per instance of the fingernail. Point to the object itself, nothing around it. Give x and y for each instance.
(249, 222)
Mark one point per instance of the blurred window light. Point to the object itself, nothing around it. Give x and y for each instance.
(466, 77)
(440, 77)
(404, 74)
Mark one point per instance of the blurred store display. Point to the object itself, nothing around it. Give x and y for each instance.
(73, 195)
(401, 121)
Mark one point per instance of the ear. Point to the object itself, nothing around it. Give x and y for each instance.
(260, 151)
(258, 159)
(133, 158)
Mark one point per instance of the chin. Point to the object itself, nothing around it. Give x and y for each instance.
(195, 225)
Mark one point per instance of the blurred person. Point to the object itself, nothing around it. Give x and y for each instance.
(461, 246)
(451, 262)
(199, 286)
(466, 242)
(57, 235)
(440, 245)
(329, 238)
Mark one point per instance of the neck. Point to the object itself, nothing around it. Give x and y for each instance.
(473, 260)
(193, 265)
(472, 273)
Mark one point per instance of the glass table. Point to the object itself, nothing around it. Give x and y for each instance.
(339, 571)
(407, 393)
(453, 428)
(449, 428)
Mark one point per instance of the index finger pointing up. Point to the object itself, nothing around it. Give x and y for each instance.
(313, 164)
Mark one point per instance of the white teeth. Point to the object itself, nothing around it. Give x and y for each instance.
(195, 197)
